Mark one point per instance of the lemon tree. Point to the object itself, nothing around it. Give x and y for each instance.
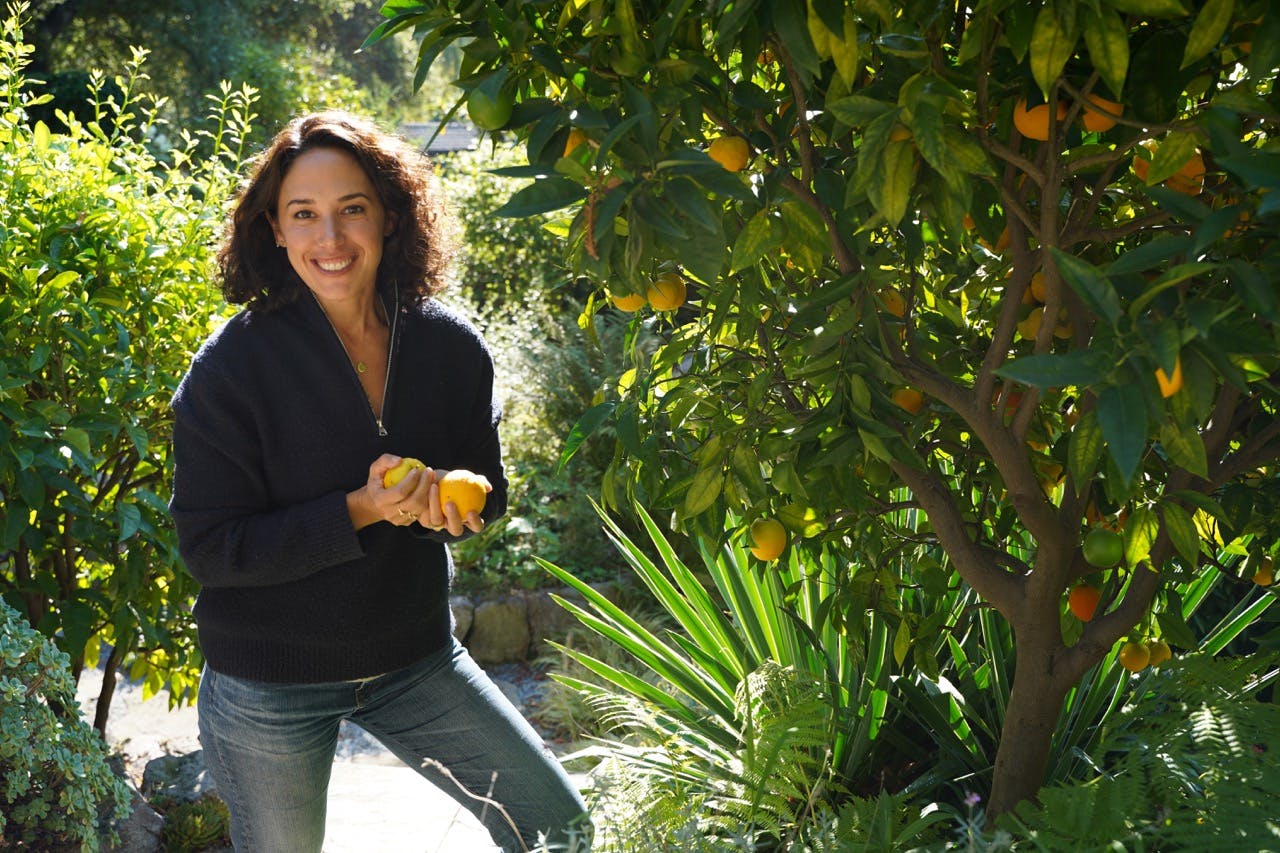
(1079, 296)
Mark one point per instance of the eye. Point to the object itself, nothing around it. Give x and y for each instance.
(354, 209)
(302, 214)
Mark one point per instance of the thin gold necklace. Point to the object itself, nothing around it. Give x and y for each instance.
(378, 311)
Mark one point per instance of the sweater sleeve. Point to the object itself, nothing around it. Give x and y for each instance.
(479, 447)
(229, 534)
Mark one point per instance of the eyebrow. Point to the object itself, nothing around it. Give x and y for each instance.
(347, 197)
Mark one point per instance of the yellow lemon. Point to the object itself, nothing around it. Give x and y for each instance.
(667, 292)
(466, 490)
(400, 471)
(731, 152)
(769, 538)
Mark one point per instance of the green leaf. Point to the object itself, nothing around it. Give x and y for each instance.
(1053, 40)
(844, 50)
(1048, 370)
(1122, 415)
(762, 234)
(966, 152)
(859, 110)
(1168, 279)
(1151, 254)
(891, 186)
(582, 430)
(807, 236)
(1107, 38)
(1185, 447)
(1211, 22)
(1177, 147)
(1175, 630)
(1090, 284)
(1084, 450)
(1182, 532)
(901, 642)
(930, 139)
(1140, 534)
(542, 196)
(706, 487)
(1150, 8)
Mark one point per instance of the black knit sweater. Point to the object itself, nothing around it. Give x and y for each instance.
(271, 430)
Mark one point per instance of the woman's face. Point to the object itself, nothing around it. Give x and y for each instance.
(332, 224)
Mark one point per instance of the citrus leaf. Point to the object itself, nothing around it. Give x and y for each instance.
(1182, 532)
(901, 642)
(1140, 534)
(1053, 40)
(1090, 284)
(1177, 147)
(1047, 370)
(891, 187)
(762, 234)
(1122, 415)
(542, 196)
(844, 49)
(1175, 630)
(1084, 449)
(858, 110)
(1107, 38)
(1150, 8)
(589, 422)
(1185, 448)
(703, 491)
(1211, 22)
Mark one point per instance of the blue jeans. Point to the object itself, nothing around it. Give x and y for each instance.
(270, 749)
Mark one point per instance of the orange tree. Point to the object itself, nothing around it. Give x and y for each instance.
(906, 281)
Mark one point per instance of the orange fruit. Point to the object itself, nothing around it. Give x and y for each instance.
(1160, 652)
(899, 134)
(1083, 601)
(576, 138)
(466, 490)
(893, 302)
(1189, 179)
(1265, 575)
(1037, 287)
(628, 302)
(769, 538)
(909, 399)
(400, 471)
(1033, 123)
(1029, 326)
(1103, 548)
(1093, 116)
(1135, 656)
(731, 152)
(968, 223)
(1169, 385)
(667, 292)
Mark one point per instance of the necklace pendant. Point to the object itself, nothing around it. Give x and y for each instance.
(360, 367)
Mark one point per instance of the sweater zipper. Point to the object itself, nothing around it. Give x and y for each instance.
(386, 381)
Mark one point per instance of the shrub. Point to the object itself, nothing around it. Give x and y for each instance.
(54, 778)
(195, 825)
(104, 295)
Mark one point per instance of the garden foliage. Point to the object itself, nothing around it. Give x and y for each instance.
(105, 292)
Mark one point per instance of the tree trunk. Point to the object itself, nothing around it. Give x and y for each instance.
(109, 678)
(1034, 704)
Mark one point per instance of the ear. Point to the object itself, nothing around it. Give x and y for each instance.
(393, 220)
(275, 229)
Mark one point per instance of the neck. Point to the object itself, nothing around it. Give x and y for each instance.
(354, 319)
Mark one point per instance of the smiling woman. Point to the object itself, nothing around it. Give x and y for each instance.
(325, 590)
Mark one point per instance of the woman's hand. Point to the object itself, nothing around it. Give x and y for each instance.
(400, 505)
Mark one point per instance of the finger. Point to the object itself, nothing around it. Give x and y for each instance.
(453, 518)
(475, 522)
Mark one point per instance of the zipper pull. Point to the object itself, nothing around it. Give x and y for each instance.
(382, 431)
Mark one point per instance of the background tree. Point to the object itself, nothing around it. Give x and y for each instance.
(892, 278)
(295, 61)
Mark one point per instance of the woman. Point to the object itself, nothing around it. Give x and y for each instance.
(325, 596)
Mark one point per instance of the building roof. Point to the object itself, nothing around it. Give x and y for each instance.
(454, 136)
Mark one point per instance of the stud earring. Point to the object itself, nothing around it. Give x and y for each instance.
(279, 244)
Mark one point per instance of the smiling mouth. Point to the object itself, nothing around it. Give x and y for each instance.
(335, 265)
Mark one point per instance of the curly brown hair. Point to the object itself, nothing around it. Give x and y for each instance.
(415, 256)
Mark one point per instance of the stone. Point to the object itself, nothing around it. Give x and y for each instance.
(182, 778)
(548, 620)
(463, 611)
(140, 831)
(499, 631)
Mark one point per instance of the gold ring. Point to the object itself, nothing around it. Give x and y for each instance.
(404, 513)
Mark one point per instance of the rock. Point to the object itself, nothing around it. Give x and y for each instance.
(548, 620)
(499, 631)
(140, 831)
(463, 611)
(182, 778)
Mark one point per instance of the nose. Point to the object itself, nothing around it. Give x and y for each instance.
(330, 231)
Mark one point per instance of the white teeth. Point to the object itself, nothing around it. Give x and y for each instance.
(333, 266)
